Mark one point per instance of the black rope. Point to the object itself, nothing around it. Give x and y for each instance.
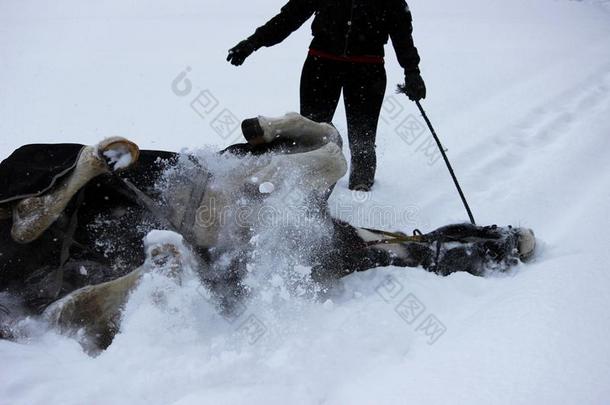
(440, 146)
(160, 213)
(68, 238)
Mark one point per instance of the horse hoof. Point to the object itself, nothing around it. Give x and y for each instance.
(118, 153)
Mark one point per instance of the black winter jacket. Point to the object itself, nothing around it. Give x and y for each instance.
(347, 27)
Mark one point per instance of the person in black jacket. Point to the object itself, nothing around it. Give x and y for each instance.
(346, 54)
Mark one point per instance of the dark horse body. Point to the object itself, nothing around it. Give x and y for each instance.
(97, 235)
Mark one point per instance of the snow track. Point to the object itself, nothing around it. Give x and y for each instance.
(555, 136)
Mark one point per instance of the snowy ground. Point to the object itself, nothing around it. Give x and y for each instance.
(520, 94)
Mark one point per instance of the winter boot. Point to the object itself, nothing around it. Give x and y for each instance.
(361, 178)
(362, 168)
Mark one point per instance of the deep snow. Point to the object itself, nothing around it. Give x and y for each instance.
(520, 94)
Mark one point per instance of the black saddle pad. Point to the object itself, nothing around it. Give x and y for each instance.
(33, 169)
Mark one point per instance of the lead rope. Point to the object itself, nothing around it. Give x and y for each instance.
(446, 159)
(396, 238)
(150, 205)
(402, 89)
(161, 214)
(67, 242)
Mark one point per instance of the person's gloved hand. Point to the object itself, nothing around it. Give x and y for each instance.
(414, 86)
(239, 53)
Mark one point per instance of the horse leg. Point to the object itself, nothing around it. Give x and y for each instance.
(97, 309)
(32, 216)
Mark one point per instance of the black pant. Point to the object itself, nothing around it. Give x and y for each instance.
(363, 86)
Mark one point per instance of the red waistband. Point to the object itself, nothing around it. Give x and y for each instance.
(351, 58)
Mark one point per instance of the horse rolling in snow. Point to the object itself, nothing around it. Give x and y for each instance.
(74, 221)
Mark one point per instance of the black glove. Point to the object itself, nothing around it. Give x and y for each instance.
(239, 53)
(414, 86)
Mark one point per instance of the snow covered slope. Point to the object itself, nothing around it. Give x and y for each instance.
(520, 94)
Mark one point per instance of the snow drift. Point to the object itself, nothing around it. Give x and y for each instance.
(520, 94)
